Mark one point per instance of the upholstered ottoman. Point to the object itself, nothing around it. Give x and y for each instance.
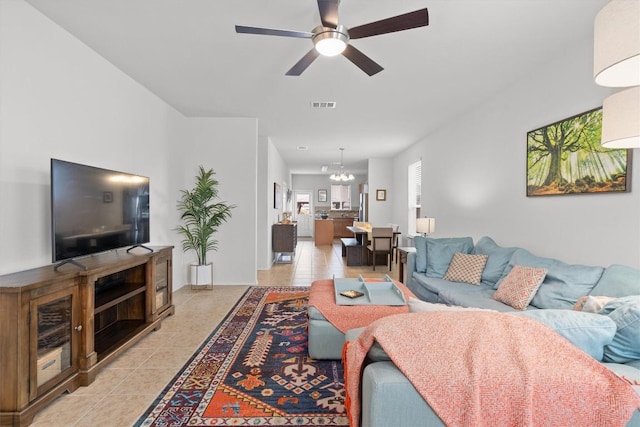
(325, 340)
(328, 322)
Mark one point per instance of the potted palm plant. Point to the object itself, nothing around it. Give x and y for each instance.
(202, 216)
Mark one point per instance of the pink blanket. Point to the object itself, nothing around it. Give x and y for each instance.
(494, 369)
(345, 317)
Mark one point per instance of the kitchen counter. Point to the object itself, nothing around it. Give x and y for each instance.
(340, 227)
(323, 232)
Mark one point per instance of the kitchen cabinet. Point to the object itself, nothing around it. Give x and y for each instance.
(340, 227)
(324, 232)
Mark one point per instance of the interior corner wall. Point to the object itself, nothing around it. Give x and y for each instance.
(277, 171)
(400, 186)
(474, 173)
(229, 146)
(264, 208)
(59, 99)
(381, 211)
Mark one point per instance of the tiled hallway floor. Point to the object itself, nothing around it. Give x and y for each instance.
(124, 390)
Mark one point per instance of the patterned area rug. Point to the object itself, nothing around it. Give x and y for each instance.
(254, 370)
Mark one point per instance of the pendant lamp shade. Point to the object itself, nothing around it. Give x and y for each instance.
(621, 119)
(616, 59)
(342, 175)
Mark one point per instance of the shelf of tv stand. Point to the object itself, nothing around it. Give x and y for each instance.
(116, 334)
(115, 295)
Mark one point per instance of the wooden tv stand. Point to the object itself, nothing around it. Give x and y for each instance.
(58, 329)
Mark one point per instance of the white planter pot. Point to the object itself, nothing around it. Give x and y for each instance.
(201, 276)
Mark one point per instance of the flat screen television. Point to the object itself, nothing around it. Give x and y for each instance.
(96, 210)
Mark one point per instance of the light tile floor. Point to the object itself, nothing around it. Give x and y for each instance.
(123, 391)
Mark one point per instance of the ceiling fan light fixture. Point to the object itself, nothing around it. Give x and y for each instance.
(329, 41)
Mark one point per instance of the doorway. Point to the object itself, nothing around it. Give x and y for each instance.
(303, 212)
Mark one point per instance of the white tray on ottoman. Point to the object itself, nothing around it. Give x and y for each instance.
(373, 292)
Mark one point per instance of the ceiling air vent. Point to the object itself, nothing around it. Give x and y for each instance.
(323, 104)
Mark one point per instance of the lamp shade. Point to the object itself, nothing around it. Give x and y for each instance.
(616, 58)
(425, 225)
(621, 119)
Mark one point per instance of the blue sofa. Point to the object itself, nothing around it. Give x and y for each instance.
(612, 336)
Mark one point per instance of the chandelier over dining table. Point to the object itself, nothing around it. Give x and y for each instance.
(341, 175)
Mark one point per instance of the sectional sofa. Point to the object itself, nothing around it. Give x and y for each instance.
(556, 296)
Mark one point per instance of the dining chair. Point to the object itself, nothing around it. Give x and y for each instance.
(381, 243)
(394, 242)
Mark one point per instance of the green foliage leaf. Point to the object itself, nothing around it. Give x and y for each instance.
(201, 215)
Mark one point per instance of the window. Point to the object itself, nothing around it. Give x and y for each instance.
(340, 196)
(414, 186)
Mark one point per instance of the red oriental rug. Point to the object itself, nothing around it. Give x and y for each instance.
(254, 369)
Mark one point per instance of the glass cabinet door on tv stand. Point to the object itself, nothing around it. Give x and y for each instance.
(163, 285)
(55, 331)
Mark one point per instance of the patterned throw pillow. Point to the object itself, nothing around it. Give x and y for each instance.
(519, 286)
(466, 268)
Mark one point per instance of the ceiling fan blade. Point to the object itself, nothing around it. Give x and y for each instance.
(329, 12)
(407, 21)
(361, 60)
(302, 65)
(273, 32)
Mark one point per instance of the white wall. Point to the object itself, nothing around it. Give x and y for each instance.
(277, 171)
(60, 99)
(229, 147)
(399, 209)
(381, 177)
(474, 174)
(264, 211)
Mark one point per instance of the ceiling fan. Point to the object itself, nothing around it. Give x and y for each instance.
(330, 38)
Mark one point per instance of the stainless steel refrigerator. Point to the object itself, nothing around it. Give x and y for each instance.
(363, 210)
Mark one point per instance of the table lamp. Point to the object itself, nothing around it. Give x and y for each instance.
(425, 225)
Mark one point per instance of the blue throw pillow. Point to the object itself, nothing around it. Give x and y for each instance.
(588, 331)
(496, 263)
(625, 346)
(563, 284)
(618, 281)
(421, 253)
(440, 253)
(610, 306)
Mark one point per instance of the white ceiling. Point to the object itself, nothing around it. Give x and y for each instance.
(188, 54)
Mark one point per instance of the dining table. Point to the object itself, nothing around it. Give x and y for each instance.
(359, 251)
(360, 234)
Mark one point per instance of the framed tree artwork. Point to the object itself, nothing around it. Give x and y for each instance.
(566, 157)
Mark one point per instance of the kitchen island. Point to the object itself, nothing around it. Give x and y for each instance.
(323, 234)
